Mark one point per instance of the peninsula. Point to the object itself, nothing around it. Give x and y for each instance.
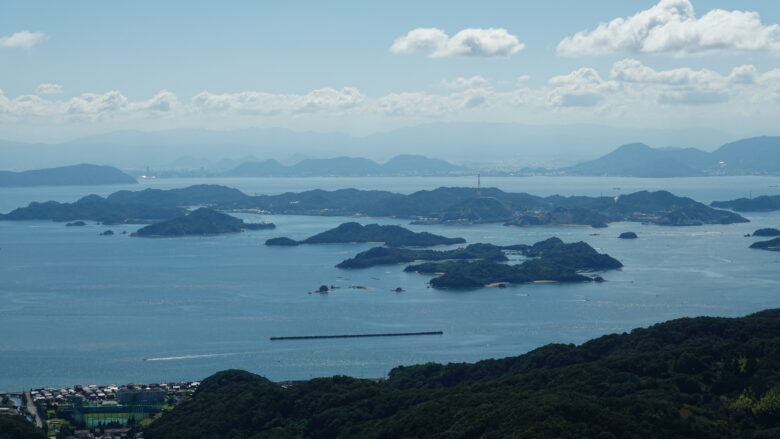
(764, 203)
(201, 222)
(76, 175)
(352, 232)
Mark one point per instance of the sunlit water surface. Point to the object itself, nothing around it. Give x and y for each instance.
(79, 308)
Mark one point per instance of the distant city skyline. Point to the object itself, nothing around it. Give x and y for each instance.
(78, 69)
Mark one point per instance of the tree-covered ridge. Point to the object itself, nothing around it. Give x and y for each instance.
(699, 377)
(197, 195)
(94, 208)
(751, 156)
(388, 256)
(442, 205)
(200, 222)
(552, 260)
(352, 232)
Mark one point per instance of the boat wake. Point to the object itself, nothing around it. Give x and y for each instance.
(192, 357)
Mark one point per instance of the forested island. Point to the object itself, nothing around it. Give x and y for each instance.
(769, 231)
(389, 256)
(94, 208)
(200, 222)
(704, 377)
(352, 232)
(771, 245)
(552, 260)
(440, 206)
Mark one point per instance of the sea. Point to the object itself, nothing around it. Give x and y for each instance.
(80, 308)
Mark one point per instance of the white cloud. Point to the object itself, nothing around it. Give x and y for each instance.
(254, 102)
(23, 39)
(628, 92)
(96, 104)
(427, 104)
(687, 86)
(693, 97)
(461, 82)
(671, 27)
(490, 42)
(163, 102)
(746, 74)
(583, 87)
(631, 70)
(48, 89)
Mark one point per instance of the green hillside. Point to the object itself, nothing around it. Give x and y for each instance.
(688, 378)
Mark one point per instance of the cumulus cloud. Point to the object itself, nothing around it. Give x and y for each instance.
(163, 102)
(97, 103)
(686, 86)
(254, 102)
(629, 90)
(461, 82)
(427, 104)
(583, 87)
(485, 43)
(23, 39)
(48, 89)
(693, 97)
(672, 28)
(631, 70)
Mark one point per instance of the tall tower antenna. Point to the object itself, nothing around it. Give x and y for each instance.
(479, 184)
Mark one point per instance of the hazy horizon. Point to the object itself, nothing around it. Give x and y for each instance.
(71, 73)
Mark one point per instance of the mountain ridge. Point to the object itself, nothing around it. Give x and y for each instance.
(75, 175)
(750, 156)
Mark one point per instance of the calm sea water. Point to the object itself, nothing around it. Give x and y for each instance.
(78, 308)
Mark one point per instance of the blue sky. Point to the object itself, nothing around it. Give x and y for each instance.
(329, 65)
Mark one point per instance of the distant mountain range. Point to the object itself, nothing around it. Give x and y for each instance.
(346, 167)
(514, 145)
(83, 174)
(753, 156)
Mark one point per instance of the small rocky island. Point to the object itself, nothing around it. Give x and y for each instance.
(352, 232)
(767, 232)
(551, 260)
(628, 235)
(76, 224)
(771, 245)
(201, 222)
